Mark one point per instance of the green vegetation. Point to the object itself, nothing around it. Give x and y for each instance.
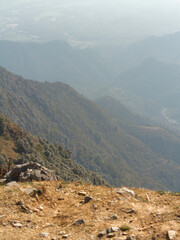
(55, 157)
(58, 113)
(175, 193)
(125, 228)
(161, 192)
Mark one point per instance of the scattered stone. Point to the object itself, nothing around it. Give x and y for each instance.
(108, 231)
(132, 237)
(126, 192)
(171, 234)
(115, 229)
(112, 229)
(62, 233)
(20, 203)
(95, 207)
(79, 222)
(44, 234)
(110, 235)
(114, 217)
(65, 236)
(28, 172)
(41, 207)
(31, 191)
(130, 211)
(59, 187)
(82, 193)
(102, 234)
(25, 209)
(17, 224)
(13, 183)
(87, 199)
(60, 199)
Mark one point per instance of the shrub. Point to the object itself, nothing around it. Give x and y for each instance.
(125, 228)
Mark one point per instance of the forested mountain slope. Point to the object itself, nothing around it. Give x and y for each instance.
(152, 88)
(57, 112)
(18, 146)
(160, 140)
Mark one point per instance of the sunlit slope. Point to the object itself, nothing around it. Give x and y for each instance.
(57, 112)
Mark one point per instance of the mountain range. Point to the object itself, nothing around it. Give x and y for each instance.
(57, 112)
(157, 86)
(84, 69)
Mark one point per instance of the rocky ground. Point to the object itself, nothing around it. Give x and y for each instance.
(60, 210)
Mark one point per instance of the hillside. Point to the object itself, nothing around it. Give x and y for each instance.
(57, 112)
(161, 141)
(153, 80)
(54, 214)
(152, 88)
(125, 117)
(18, 146)
(83, 69)
(164, 49)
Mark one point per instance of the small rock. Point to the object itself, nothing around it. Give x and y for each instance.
(62, 233)
(60, 199)
(41, 207)
(112, 229)
(82, 193)
(115, 229)
(59, 187)
(44, 234)
(87, 199)
(110, 235)
(126, 191)
(13, 183)
(102, 234)
(95, 207)
(108, 230)
(20, 203)
(65, 236)
(171, 234)
(132, 237)
(114, 217)
(25, 209)
(79, 222)
(31, 191)
(17, 224)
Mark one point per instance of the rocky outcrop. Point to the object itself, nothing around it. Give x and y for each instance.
(28, 172)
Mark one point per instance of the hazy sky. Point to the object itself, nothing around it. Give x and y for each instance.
(89, 20)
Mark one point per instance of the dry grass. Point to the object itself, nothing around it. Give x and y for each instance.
(149, 214)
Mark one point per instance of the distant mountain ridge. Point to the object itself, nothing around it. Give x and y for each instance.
(157, 85)
(165, 48)
(83, 69)
(57, 112)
